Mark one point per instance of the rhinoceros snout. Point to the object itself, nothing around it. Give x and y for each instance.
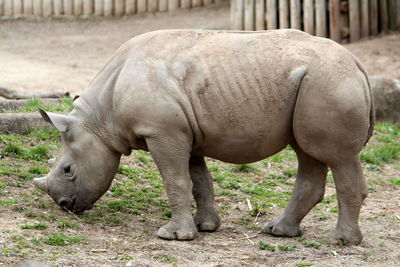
(41, 183)
(66, 203)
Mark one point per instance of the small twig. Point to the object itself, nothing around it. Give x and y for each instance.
(248, 238)
(73, 214)
(258, 214)
(249, 204)
(397, 216)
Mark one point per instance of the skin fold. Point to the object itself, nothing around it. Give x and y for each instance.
(238, 97)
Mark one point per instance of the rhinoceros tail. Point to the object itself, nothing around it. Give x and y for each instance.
(296, 76)
(372, 108)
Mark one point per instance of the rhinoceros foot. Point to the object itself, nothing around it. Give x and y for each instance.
(178, 231)
(280, 228)
(207, 222)
(347, 236)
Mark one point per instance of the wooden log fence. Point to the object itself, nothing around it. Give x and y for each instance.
(340, 20)
(56, 8)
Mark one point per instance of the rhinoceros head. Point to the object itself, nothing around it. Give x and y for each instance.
(84, 168)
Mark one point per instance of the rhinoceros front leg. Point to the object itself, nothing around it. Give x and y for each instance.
(171, 156)
(206, 218)
(308, 191)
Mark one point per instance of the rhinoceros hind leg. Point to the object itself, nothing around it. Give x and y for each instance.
(351, 192)
(206, 218)
(308, 191)
(171, 156)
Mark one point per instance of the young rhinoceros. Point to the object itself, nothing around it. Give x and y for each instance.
(234, 96)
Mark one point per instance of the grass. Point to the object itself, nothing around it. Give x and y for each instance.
(35, 226)
(33, 105)
(165, 258)
(61, 239)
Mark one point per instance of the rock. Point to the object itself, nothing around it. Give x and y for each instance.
(386, 93)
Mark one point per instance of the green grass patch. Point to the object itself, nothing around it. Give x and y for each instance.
(266, 246)
(61, 239)
(244, 168)
(286, 247)
(33, 105)
(35, 226)
(395, 181)
(381, 154)
(312, 244)
(165, 258)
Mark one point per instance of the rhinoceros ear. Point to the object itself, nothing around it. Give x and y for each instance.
(59, 121)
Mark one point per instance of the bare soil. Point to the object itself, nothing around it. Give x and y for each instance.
(65, 55)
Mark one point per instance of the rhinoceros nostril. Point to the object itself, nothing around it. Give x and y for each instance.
(65, 203)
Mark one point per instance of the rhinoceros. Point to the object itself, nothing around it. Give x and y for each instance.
(238, 97)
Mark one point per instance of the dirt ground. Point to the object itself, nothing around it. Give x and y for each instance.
(65, 55)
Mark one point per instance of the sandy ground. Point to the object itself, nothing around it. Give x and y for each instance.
(65, 55)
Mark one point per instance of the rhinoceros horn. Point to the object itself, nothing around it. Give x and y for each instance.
(41, 183)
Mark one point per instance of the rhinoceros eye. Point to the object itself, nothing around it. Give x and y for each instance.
(67, 169)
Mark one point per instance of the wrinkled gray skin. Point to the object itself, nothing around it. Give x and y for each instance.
(234, 96)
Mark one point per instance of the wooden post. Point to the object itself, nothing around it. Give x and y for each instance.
(309, 16)
(373, 17)
(391, 13)
(98, 7)
(383, 16)
(249, 15)
(28, 7)
(47, 8)
(8, 8)
(173, 5)
(163, 5)
(364, 18)
(17, 8)
(87, 7)
(119, 7)
(185, 4)
(334, 20)
(152, 6)
(130, 7)
(354, 15)
(260, 15)
(141, 6)
(57, 7)
(320, 18)
(209, 2)
(1, 8)
(283, 14)
(108, 8)
(398, 15)
(196, 3)
(68, 7)
(37, 7)
(237, 14)
(295, 14)
(78, 7)
(272, 12)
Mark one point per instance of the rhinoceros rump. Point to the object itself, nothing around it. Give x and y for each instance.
(235, 96)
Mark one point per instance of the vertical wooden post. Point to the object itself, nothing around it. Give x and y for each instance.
(163, 5)
(130, 7)
(68, 7)
(17, 8)
(98, 7)
(28, 7)
(141, 6)
(334, 20)
(272, 12)
(47, 8)
(309, 16)
(108, 8)
(354, 14)
(37, 7)
(260, 15)
(119, 7)
(373, 17)
(283, 14)
(320, 18)
(152, 5)
(249, 15)
(57, 7)
(383, 16)
(398, 15)
(392, 14)
(196, 3)
(1, 8)
(295, 14)
(364, 18)
(78, 7)
(173, 5)
(88, 7)
(185, 4)
(8, 8)
(237, 15)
